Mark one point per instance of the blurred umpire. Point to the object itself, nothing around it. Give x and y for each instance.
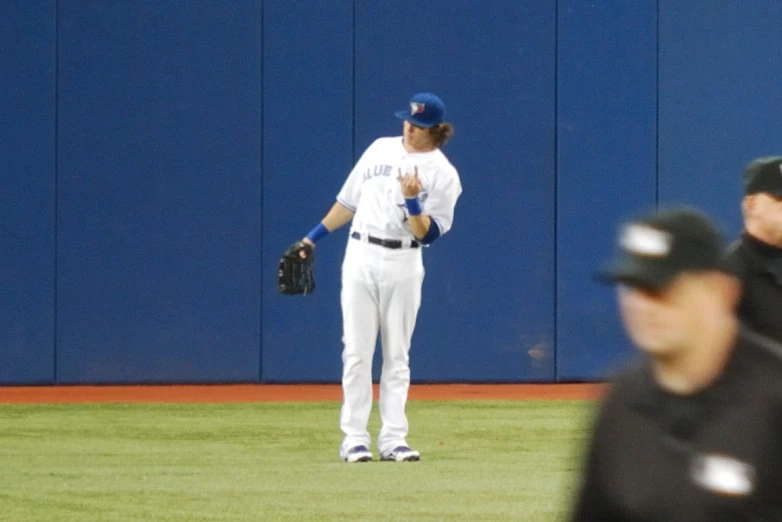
(756, 257)
(694, 431)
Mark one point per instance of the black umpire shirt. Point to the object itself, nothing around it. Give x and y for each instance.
(714, 456)
(759, 266)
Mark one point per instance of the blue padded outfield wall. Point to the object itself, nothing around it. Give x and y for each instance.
(606, 165)
(27, 191)
(160, 156)
(159, 191)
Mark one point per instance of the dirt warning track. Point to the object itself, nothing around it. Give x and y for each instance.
(286, 393)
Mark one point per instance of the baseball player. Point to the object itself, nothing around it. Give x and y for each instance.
(400, 197)
(693, 431)
(756, 257)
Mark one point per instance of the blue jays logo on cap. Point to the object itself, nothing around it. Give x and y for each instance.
(426, 110)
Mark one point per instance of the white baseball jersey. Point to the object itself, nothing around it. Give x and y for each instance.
(373, 192)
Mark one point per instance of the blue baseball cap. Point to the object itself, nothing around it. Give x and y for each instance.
(426, 110)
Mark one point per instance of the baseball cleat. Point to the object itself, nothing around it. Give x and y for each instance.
(358, 454)
(402, 454)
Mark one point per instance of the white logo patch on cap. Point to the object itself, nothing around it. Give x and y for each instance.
(645, 241)
(723, 475)
(415, 108)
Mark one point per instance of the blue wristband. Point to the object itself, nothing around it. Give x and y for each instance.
(413, 206)
(317, 233)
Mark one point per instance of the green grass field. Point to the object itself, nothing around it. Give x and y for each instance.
(481, 460)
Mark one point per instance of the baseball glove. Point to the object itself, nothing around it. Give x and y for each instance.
(296, 272)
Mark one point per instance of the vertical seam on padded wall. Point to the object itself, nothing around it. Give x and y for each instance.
(353, 85)
(55, 377)
(657, 108)
(260, 173)
(555, 342)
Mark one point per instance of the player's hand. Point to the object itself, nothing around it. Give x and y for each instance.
(411, 185)
(308, 241)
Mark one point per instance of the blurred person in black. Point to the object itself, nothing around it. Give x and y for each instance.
(756, 256)
(692, 432)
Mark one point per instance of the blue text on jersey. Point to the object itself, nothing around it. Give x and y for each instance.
(378, 170)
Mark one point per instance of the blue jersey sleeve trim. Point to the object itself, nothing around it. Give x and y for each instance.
(431, 234)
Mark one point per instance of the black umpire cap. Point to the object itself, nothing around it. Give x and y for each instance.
(764, 175)
(656, 248)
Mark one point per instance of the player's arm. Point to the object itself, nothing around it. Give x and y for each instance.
(337, 217)
(421, 226)
(344, 209)
(427, 227)
(424, 228)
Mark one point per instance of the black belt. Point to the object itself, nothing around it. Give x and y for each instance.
(388, 243)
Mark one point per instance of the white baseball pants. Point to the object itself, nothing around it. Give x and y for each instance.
(381, 291)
